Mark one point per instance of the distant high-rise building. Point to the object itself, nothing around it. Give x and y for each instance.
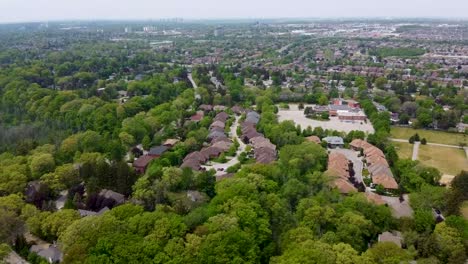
(219, 31)
(128, 30)
(149, 29)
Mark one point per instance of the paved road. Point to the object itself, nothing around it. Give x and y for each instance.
(416, 150)
(353, 157)
(234, 160)
(189, 76)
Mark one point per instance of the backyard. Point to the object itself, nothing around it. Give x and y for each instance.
(431, 136)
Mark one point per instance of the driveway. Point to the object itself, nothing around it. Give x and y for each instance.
(399, 210)
(353, 157)
(233, 135)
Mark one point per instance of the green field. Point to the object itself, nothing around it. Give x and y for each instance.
(447, 160)
(430, 135)
(405, 150)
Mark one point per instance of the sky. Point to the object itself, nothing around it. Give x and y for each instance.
(50, 10)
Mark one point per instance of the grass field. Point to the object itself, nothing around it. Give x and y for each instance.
(447, 160)
(430, 135)
(405, 150)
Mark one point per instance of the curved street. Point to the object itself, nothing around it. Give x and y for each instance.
(221, 168)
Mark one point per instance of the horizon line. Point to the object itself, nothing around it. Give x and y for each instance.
(194, 19)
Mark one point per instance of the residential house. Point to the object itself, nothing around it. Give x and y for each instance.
(141, 163)
(385, 180)
(222, 116)
(216, 134)
(109, 194)
(237, 110)
(394, 237)
(219, 108)
(377, 164)
(218, 124)
(314, 139)
(211, 152)
(197, 117)
(339, 167)
(206, 108)
(84, 213)
(252, 117)
(334, 142)
(223, 145)
(198, 156)
(344, 186)
(194, 164)
(157, 151)
(374, 198)
(170, 142)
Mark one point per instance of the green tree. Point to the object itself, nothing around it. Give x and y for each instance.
(42, 164)
(387, 253)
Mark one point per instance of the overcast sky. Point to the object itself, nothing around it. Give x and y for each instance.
(41, 10)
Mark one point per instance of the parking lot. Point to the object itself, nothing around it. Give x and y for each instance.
(299, 118)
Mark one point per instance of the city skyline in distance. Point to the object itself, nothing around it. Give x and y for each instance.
(14, 11)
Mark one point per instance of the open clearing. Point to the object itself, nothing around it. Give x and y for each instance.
(405, 150)
(447, 160)
(439, 137)
(296, 115)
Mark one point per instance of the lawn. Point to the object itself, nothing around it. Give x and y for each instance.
(430, 135)
(405, 150)
(447, 160)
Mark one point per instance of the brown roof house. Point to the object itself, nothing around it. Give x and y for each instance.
(387, 181)
(211, 152)
(217, 123)
(141, 163)
(170, 142)
(338, 168)
(314, 139)
(344, 186)
(222, 116)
